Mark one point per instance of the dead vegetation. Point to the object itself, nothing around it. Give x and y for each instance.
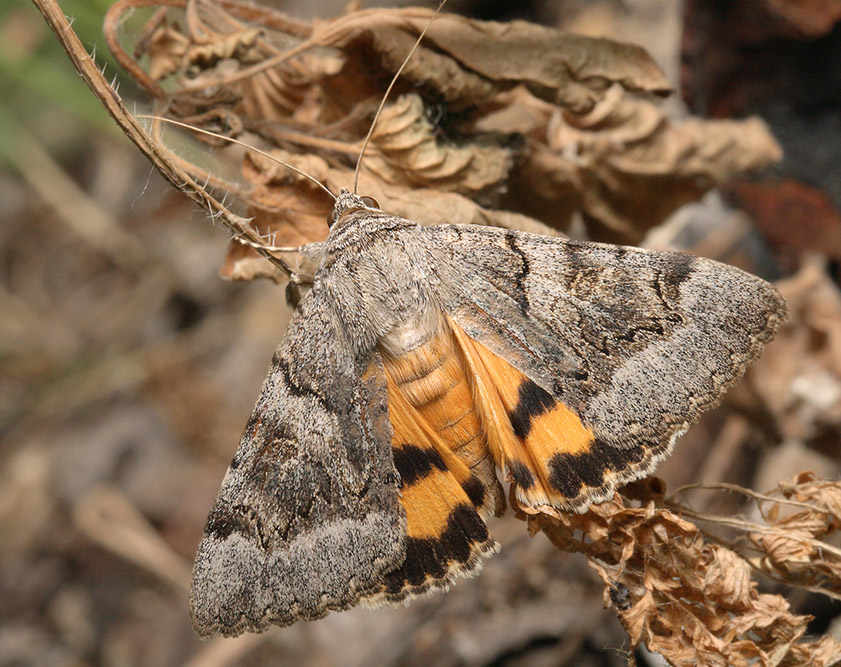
(515, 125)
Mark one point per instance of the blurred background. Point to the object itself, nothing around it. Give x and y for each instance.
(128, 367)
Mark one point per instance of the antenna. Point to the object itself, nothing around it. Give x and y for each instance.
(292, 167)
(388, 90)
(244, 145)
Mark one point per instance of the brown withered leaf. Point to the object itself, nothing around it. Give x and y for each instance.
(689, 600)
(626, 149)
(409, 153)
(525, 120)
(801, 382)
(166, 48)
(473, 60)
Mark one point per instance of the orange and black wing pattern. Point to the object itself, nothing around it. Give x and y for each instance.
(538, 442)
(459, 413)
(448, 481)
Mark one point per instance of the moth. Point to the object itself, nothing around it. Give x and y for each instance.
(423, 364)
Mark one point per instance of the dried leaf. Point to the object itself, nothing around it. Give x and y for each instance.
(167, 48)
(571, 70)
(526, 119)
(409, 153)
(800, 380)
(626, 148)
(691, 601)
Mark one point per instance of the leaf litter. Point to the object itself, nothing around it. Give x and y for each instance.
(509, 120)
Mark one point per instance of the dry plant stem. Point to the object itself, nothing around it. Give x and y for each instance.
(742, 524)
(672, 499)
(779, 580)
(754, 528)
(164, 162)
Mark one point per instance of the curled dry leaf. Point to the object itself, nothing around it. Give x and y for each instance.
(689, 600)
(798, 551)
(636, 166)
(463, 58)
(801, 380)
(520, 120)
(408, 153)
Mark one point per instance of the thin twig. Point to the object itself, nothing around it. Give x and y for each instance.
(159, 156)
(750, 527)
(762, 497)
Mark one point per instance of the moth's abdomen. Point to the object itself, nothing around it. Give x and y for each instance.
(433, 379)
(448, 480)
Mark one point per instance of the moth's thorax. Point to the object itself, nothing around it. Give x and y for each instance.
(377, 272)
(353, 219)
(347, 202)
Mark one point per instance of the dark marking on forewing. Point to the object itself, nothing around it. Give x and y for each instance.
(569, 472)
(414, 463)
(654, 327)
(680, 268)
(520, 279)
(533, 401)
(582, 272)
(432, 557)
(295, 388)
(619, 252)
(221, 523)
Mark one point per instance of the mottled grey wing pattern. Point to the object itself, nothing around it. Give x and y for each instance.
(308, 518)
(637, 342)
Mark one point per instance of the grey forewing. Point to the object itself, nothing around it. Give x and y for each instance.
(308, 518)
(638, 342)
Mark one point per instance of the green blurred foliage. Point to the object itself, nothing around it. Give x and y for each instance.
(40, 92)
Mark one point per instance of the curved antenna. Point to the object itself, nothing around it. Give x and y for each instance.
(385, 97)
(244, 145)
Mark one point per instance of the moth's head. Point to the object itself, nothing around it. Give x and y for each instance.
(349, 202)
